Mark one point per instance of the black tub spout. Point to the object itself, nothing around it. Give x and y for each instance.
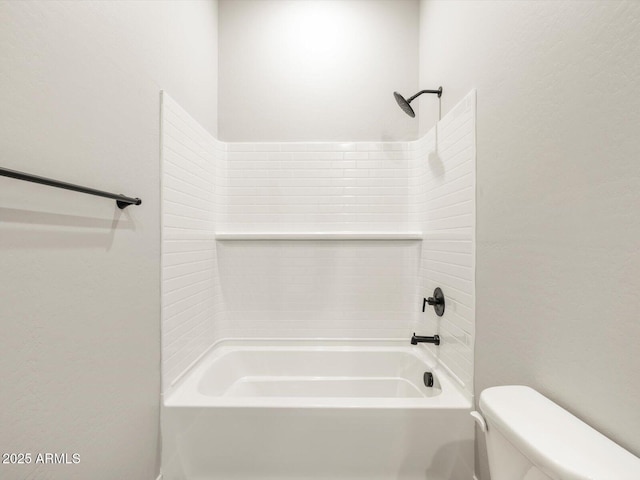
(416, 339)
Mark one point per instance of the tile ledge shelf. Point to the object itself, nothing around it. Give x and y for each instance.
(319, 236)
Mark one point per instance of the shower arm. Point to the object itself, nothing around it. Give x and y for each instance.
(438, 92)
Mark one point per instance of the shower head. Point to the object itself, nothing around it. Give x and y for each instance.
(404, 103)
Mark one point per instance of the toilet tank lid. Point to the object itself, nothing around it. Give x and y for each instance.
(556, 441)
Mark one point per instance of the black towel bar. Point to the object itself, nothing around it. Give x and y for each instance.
(121, 200)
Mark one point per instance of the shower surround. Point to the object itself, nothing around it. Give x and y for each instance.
(333, 243)
(336, 283)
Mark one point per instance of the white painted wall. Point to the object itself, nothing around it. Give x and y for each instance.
(317, 70)
(558, 195)
(80, 279)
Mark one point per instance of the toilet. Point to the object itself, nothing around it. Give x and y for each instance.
(531, 438)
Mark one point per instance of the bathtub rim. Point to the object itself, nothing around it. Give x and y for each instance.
(183, 392)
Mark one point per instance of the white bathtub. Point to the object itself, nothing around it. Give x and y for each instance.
(301, 410)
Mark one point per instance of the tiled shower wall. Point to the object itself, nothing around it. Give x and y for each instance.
(191, 299)
(307, 187)
(443, 182)
(317, 287)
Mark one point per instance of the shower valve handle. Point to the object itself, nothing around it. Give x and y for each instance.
(437, 301)
(432, 301)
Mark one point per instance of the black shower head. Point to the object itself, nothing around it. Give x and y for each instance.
(404, 103)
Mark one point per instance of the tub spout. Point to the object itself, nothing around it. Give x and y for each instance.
(416, 339)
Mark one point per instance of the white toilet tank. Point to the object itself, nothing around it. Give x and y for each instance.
(531, 438)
